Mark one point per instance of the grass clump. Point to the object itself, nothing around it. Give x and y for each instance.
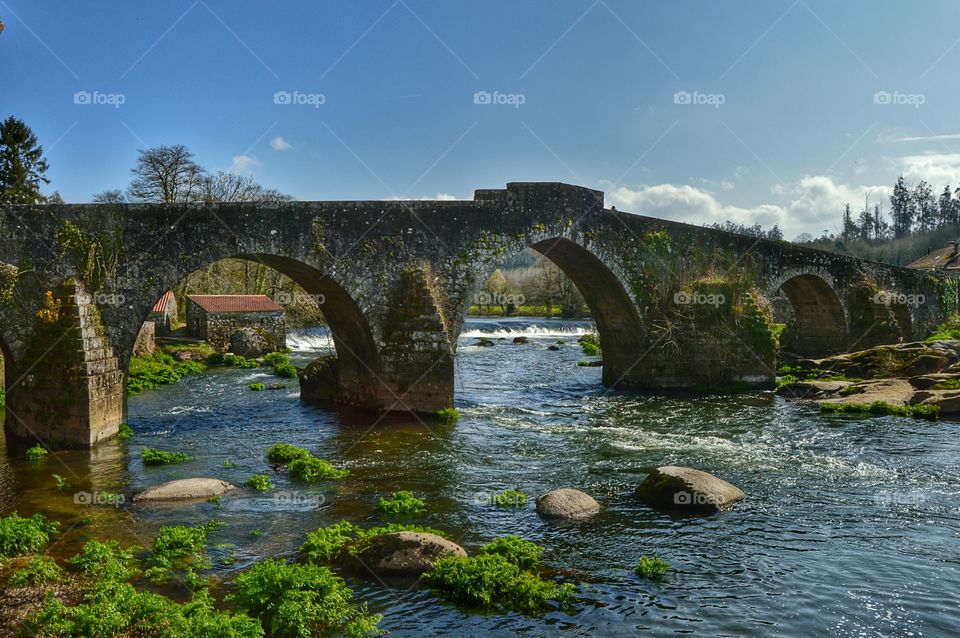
(273, 359)
(344, 539)
(510, 498)
(786, 379)
(256, 387)
(20, 536)
(949, 329)
(125, 433)
(297, 601)
(285, 371)
(36, 453)
(105, 561)
(310, 470)
(448, 416)
(39, 571)
(259, 482)
(283, 453)
(851, 390)
(153, 456)
(503, 576)
(929, 412)
(402, 503)
(947, 384)
(152, 371)
(652, 568)
(231, 360)
(590, 344)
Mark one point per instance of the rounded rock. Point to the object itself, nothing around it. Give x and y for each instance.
(684, 488)
(406, 553)
(566, 503)
(185, 489)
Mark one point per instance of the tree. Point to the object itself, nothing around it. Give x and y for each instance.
(109, 197)
(850, 228)
(901, 209)
(229, 187)
(55, 198)
(925, 206)
(948, 207)
(865, 222)
(165, 174)
(22, 165)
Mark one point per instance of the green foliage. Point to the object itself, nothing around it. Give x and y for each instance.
(62, 483)
(152, 456)
(181, 548)
(256, 387)
(255, 533)
(285, 371)
(273, 359)
(522, 553)
(39, 571)
(259, 482)
(105, 561)
(231, 360)
(511, 498)
(229, 464)
(590, 343)
(115, 609)
(326, 544)
(22, 165)
(850, 390)
(652, 568)
(125, 433)
(787, 379)
(448, 416)
(3, 395)
(311, 469)
(491, 581)
(36, 453)
(949, 329)
(152, 371)
(948, 384)
(19, 535)
(282, 453)
(301, 601)
(402, 503)
(922, 411)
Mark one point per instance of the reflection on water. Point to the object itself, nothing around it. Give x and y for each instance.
(851, 525)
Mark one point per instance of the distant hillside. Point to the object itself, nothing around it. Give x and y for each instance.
(898, 252)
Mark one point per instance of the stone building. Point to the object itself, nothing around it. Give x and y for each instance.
(216, 318)
(943, 261)
(164, 314)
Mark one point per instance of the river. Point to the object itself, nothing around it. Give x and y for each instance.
(851, 526)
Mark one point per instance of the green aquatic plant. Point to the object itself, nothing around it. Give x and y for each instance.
(312, 469)
(62, 483)
(283, 453)
(19, 535)
(947, 384)
(652, 567)
(259, 482)
(448, 416)
(255, 533)
(510, 498)
(256, 387)
(153, 370)
(39, 571)
(328, 544)
(228, 464)
(153, 456)
(300, 601)
(402, 503)
(285, 371)
(104, 560)
(921, 411)
(125, 433)
(231, 360)
(522, 553)
(590, 344)
(36, 453)
(273, 359)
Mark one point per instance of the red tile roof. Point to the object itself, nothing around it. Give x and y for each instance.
(236, 303)
(164, 301)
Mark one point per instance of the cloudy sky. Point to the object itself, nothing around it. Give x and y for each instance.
(769, 111)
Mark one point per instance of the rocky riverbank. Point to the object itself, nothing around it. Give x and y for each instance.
(914, 379)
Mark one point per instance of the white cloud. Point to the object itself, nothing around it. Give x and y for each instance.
(280, 144)
(938, 169)
(244, 164)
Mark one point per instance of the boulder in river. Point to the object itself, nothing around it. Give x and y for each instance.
(185, 489)
(521, 340)
(320, 381)
(484, 342)
(684, 488)
(406, 553)
(566, 503)
(947, 400)
(554, 347)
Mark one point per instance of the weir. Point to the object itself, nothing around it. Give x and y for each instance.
(676, 306)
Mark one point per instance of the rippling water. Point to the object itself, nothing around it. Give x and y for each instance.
(850, 527)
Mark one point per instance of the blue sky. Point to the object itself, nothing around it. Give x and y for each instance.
(794, 107)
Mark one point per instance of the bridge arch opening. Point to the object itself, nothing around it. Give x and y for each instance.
(312, 298)
(816, 325)
(583, 286)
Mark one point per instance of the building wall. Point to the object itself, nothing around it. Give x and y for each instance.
(217, 328)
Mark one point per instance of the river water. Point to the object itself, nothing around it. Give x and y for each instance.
(851, 526)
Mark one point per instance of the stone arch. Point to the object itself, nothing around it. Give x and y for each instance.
(358, 357)
(819, 323)
(611, 307)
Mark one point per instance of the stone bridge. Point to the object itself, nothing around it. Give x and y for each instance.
(676, 306)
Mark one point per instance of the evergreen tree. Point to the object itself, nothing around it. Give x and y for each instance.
(901, 209)
(850, 230)
(925, 206)
(22, 164)
(948, 207)
(865, 223)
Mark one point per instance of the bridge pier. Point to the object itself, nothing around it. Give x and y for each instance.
(70, 392)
